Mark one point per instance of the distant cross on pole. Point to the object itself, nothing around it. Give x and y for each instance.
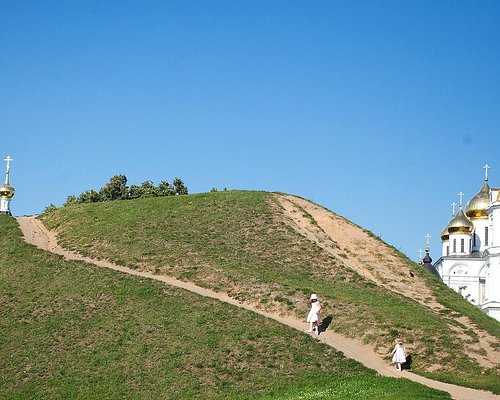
(453, 205)
(461, 194)
(8, 159)
(427, 237)
(420, 251)
(486, 167)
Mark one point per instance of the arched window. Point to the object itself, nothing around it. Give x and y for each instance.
(462, 246)
(486, 236)
(454, 245)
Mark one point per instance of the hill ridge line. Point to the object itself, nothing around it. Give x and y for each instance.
(37, 234)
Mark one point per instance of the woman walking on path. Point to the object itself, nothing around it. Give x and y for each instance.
(313, 316)
(399, 354)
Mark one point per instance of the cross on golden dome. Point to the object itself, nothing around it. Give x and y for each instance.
(486, 167)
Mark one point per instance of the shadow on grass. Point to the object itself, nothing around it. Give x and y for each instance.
(407, 364)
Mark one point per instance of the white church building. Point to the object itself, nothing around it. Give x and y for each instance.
(470, 256)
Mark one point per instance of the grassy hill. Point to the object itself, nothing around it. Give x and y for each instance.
(240, 243)
(72, 330)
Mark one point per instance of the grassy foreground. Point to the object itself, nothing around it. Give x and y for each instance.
(71, 330)
(237, 242)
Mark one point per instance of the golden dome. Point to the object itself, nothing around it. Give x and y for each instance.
(7, 191)
(460, 224)
(477, 207)
(445, 235)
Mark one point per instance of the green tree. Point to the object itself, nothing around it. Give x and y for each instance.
(179, 186)
(115, 189)
(165, 189)
(135, 192)
(90, 196)
(149, 189)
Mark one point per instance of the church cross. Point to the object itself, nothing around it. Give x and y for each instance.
(461, 194)
(427, 237)
(8, 159)
(486, 167)
(420, 251)
(453, 205)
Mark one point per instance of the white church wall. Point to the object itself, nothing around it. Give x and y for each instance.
(479, 238)
(445, 249)
(463, 280)
(494, 225)
(460, 244)
(4, 205)
(492, 308)
(493, 278)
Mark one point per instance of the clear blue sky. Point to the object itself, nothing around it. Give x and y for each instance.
(381, 111)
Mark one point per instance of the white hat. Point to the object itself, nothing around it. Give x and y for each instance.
(314, 297)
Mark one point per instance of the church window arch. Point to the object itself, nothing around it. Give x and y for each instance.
(459, 270)
(484, 271)
(462, 245)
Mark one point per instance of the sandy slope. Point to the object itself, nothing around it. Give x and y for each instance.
(380, 263)
(35, 233)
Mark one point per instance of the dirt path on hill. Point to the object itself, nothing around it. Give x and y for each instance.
(35, 233)
(357, 249)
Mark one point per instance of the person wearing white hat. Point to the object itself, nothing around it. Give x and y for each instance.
(313, 316)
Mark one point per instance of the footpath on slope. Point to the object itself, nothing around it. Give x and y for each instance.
(378, 262)
(34, 232)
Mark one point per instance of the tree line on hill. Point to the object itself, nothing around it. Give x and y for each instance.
(117, 189)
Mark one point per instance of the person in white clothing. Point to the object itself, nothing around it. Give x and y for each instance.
(313, 316)
(399, 354)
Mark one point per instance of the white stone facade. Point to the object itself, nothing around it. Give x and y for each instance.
(470, 254)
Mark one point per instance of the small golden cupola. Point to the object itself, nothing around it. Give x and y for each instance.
(477, 207)
(6, 191)
(460, 223)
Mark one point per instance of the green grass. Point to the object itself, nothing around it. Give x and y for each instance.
(237, 242)
(354, 389)
(72, 330)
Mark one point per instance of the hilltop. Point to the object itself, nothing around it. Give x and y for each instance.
(272, 250)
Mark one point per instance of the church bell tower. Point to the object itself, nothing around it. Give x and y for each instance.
(6, 191)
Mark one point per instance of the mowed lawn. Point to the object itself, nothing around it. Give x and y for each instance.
(72, 330)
